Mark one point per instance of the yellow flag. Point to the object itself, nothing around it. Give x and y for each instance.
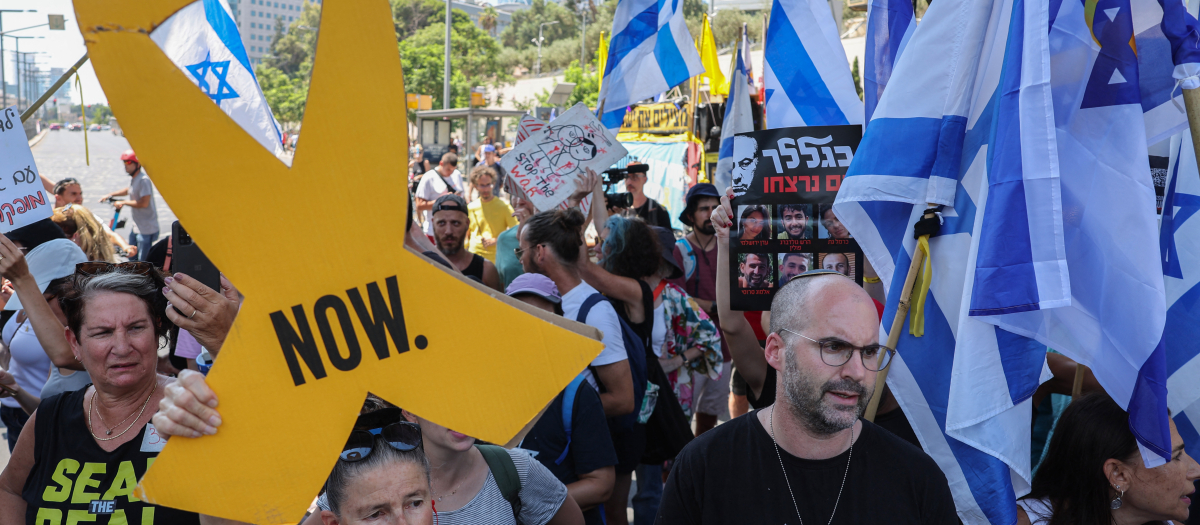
(602, 56)
(717, 84)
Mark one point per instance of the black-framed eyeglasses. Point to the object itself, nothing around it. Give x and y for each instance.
(521, 251)
(401, 435)
(99, 267)
(835, 352)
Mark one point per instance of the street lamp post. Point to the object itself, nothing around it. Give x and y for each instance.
(3, 79)
(17, 61)
(537, 70)
(446, 65)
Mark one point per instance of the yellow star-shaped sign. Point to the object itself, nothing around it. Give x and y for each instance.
(335, 305)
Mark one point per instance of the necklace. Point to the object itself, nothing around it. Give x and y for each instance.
(105, 423)
(789, 483)
(93, 408)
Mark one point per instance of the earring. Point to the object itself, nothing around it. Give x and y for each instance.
(1116, 502)
(77, 359)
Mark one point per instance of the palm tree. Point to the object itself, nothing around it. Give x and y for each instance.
(488, 20)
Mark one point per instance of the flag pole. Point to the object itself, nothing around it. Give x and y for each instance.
(1191, 101)
(902, 307)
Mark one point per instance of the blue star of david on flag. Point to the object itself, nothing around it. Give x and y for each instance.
(1182, 207)
(1114, 78)
(219, 70)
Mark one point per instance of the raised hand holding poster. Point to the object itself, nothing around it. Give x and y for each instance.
(784, 183)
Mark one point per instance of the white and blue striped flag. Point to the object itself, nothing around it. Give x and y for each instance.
(1180, 245)
(970, 91)
(738, 113)
(203, 40)
(807, 79)
(890, 23)
(650, 52)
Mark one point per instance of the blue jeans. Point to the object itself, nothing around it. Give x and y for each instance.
(649, 494)
(143, 241)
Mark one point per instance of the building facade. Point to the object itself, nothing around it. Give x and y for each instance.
(256, 21)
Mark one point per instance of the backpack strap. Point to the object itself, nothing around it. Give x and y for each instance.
(505, 472)
(567, 416)
(586, 308)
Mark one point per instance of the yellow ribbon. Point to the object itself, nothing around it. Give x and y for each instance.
(83, 109)
(916, 313)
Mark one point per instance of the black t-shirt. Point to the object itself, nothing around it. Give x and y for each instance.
(731, 475)
(591, 446)
(654, 213)
(768, 392)
(72, 475)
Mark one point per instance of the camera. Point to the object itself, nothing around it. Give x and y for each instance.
(612, 176)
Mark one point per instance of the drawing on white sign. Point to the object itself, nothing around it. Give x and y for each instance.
(23, 200)
(546, 165)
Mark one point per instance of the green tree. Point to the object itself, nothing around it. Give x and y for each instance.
(488, 20)
(292, 52)
(411, 16)
(474, 60)
(285, 95)
(523, 30)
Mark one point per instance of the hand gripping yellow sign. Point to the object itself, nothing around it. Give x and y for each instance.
(335, 305)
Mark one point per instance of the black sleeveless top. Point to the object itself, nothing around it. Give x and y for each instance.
(73, 479)
(475, 269)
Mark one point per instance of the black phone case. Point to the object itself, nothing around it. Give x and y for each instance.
(188, 258)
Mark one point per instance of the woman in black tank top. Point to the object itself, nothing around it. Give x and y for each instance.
(88, 448)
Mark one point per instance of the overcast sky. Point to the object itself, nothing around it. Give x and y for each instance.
(58, 48)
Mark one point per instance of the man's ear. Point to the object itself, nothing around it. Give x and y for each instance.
(328, 518)
(775, 351)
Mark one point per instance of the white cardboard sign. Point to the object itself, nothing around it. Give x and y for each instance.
(546, 165)
(23, 199)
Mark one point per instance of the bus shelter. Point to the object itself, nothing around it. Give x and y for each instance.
(434, 125)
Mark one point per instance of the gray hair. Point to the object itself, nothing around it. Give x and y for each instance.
(382, 455)
(148, 288)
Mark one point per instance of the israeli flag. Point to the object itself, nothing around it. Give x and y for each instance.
(965, 123)
(890, 23)
(738, 116)
(1180, 246)
(1168, 60)
(203, 40)
(650, 52)
(807, 78)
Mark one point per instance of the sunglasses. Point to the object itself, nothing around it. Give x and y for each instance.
(100, 267)
(131, 162)
(402, 436)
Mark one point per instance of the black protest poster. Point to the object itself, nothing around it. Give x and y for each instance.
(784, 183)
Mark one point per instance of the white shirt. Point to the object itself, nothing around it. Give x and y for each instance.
(30, 365)
(601, 317)
(431, 187)
(658, 334)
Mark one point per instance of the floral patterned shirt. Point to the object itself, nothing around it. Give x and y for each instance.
(689, 327)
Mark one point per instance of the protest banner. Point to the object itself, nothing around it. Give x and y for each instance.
(320, 327)
(23, 200)
(784, 182)
(546, 164)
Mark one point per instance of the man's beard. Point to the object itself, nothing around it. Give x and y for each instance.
(757, 279)
(707, 228)
(449, 247)
(795, 230)
(806, 400)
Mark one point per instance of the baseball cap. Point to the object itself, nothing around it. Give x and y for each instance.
(702, 189)
(450, 202)
(534, 283)
(49, 261)
(666, 241)
(488, 148)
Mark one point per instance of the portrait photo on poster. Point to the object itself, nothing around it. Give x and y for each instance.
(784, 183)
(755, 272)
(792, 264)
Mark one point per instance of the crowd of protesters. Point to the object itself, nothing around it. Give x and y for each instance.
(637, 432)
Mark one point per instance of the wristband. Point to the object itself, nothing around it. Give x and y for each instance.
(872, 280)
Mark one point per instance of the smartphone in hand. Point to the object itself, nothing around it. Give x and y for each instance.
(187, 258)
